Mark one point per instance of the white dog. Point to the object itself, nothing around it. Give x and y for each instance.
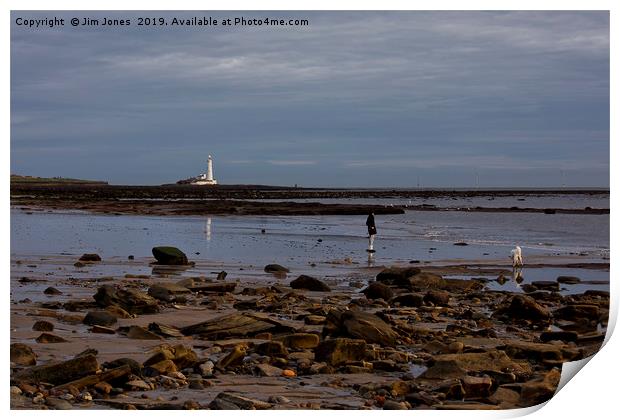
(517, 258)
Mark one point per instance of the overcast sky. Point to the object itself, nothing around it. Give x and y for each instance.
(352, 99)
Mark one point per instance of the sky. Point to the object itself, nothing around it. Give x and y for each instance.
(353, 99)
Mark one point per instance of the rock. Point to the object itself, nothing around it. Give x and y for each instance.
(394, 405)
(236, 325)
(397, 276)
(163, 367)
(490, 360)
(424, 281)
(264, 369)
(46, 338)
(575, 312)
(276, 268)
(451, 388)
(240, 402)
(408, 300)
(52, 291)
(568, 280)
(22, 354)
(367, 327)
(437, 297)
(309, 283)
(289, 373)
(182, 356)
(272, 348)
(505, 397)
(139, 333)
(461, 244)
(169, 255)
(58, 403)
(90, 258)
(540, 390)
(15, 390)
(43, 326)
(167, 292)
(235, 356)
(300, 340)
(547, 336)
(61, 373)
(103, 388)
(165, 330)
(340, 350)
(138, 385)
(477, 387)
(118, 312)
(132, 301)
(206, 368)
(524, 307)
(103, 318)
(213, 287)
(519, 349)
(456, 347)
(98, 329)
(444, 369)
(552, 286)
(314, 320)
(377, 290)
(130, 257)
(134, 366)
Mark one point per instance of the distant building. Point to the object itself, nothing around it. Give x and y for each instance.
(206, 179)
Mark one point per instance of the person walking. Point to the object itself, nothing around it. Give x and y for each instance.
(372, 231)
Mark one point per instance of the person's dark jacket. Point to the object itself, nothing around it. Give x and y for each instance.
(370, 222)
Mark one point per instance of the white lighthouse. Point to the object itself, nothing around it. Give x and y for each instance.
(206, 179)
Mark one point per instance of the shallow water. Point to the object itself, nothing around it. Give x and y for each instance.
(415, 235)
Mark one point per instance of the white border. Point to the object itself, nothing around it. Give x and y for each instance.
(591, 394)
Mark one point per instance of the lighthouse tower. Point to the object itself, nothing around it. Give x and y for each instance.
(206, 179)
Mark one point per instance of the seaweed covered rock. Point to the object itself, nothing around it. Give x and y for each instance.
(169, 255)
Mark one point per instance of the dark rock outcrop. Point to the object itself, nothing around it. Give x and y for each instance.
(309, 283)
(169, 255)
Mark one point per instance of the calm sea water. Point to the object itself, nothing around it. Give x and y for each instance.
(414, 235)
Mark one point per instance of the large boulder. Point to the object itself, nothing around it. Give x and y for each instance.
(309, 283)
(377, 290)
(169, 255)
(360, 325)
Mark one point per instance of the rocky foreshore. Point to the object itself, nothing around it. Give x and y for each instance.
(387, 338)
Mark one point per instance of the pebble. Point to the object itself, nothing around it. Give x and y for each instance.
(15, 390)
